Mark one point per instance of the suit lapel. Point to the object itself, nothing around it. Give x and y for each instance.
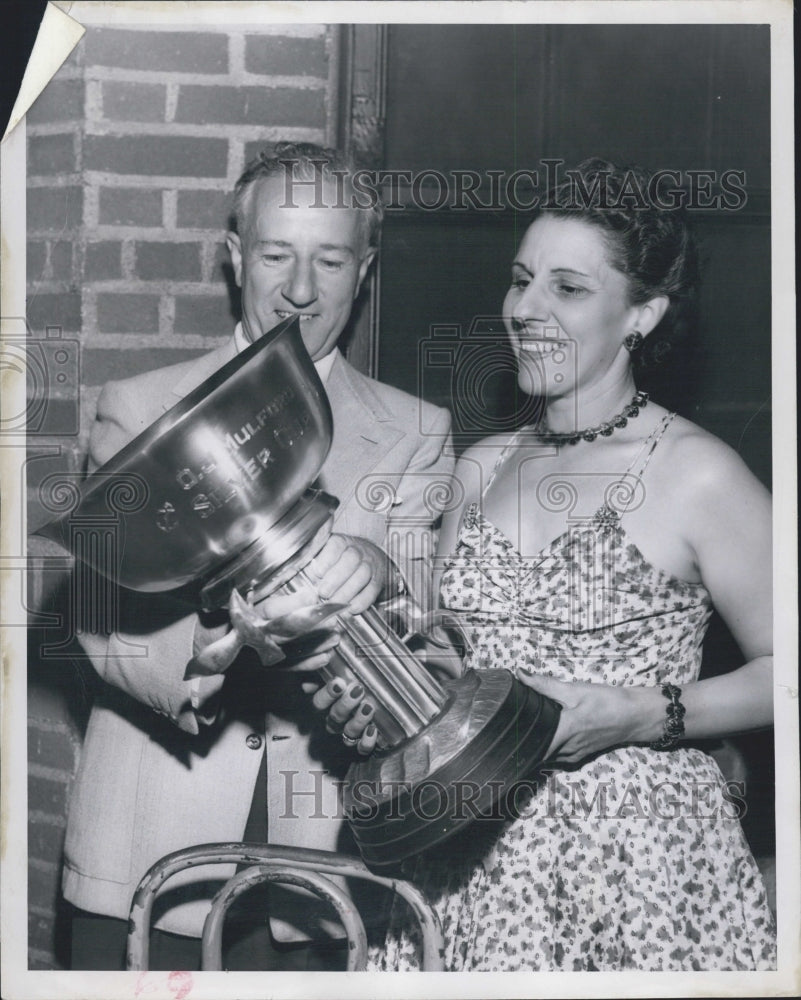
(363, 431)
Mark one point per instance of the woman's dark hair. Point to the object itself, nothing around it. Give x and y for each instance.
(650, 243)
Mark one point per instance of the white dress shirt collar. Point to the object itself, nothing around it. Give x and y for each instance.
(323, 365)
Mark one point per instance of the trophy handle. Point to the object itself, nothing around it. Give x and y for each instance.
(412, 623)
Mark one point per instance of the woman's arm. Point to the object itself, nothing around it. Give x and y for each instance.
(727, 514)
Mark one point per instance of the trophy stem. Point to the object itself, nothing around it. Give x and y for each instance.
(405, 695)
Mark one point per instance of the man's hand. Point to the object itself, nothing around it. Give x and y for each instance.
(347, 572)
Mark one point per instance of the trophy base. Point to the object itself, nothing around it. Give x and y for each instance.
(492, 732)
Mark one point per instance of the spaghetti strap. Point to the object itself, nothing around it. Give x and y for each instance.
(635, 472)
(649, 446)
(510, 444)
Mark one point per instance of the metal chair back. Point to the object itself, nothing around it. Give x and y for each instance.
(287, 865)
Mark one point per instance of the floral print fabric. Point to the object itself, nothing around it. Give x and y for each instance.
(634, 860)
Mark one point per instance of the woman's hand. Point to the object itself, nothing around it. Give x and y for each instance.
(595, 717)
(348, 714)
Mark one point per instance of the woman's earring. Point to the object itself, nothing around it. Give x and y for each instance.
(633, 342)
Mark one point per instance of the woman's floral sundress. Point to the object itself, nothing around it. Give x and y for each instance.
(634, 860)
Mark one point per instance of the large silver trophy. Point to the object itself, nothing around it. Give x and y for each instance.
(219, 491)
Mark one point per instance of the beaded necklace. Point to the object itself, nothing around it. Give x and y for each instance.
(546, 436)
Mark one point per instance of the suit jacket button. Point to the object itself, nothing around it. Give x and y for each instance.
(253, 741)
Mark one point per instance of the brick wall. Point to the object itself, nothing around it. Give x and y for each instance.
(132, 152)
(53, 747)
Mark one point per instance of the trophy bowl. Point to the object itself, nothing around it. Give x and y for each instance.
(215, 472)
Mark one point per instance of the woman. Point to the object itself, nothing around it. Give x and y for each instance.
(586, 557)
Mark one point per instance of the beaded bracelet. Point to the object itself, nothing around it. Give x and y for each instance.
(674, 723)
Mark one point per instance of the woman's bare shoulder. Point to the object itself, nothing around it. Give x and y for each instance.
(702, 464)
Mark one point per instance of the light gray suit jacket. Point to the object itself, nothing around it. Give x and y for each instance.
(163, 765)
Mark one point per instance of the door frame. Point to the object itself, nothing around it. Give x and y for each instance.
(356, 125)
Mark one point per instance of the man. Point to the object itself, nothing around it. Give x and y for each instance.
(168, 762)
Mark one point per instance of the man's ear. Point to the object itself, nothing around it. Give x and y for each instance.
(234, 244)
(364, 267)
(650, 313)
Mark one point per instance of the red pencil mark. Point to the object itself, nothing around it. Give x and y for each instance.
(180, 984)
(141, 986)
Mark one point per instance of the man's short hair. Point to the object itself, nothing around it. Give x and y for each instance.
(305, 161)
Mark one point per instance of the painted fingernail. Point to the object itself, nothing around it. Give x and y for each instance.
(337, 686)
(367, 709)
(370, 730)
(356, 691)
